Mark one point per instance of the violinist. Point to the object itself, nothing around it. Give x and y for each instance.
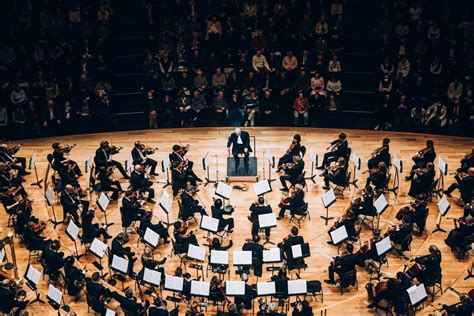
(131, 209)
(342, 264)
(348, 220)
(380, 154)
(336, 174)
(23, 216)
(422, 158)
(431, 264)
(286, 244)
(464, 307)
(465, 185)
(146, 222)
(103, 158)
(130, 304)
(292, 172)
(468, 210)
(140, 183)
(401, 235)
(107, 184)
(179, 156)
(183, 238)
(7, 155)
(281, 286)
(74, 277)
(293, 150)
(182, 177)
(294, 202)
(72, 204)
(466, 162)
(368, 250)
(338, 148)
(53, 260)
(460, 238)
(140, 157)
(190, 206)
(12, 200)
(394, 291)
(92, 230)
(8, 179)
(378, 176)
(256, 209)
(256, 248)
(218, 213)
(246, 300)
(68, 174)
(365, 204)
(160, 308)
(119, 250)
(216, 290)
(97, 294)
(423, 180)
(149, 262)
(417, 211)
(9, 299)
(32, 237)
(59, 152)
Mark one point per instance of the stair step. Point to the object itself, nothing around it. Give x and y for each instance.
(359, 101)
(128, 102)
(359, 81)
(126, 83)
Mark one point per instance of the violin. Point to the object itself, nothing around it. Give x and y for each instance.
(148, 150)
(372, 171)
(292, 147)
(378, 151)
(407, 210)
(13, 149)
(66, 149)
(339, 221)
(467, 157)
(335, 147)
(421, 154)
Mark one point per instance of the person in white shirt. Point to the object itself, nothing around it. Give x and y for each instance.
(259, 62)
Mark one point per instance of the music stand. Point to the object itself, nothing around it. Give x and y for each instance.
(219, 258)
(32, 277)
(380, 205)
(235, 288)
(242, 258)
(338, 236)
(443, 207)
(55, 297)
(382, 247)
(174, 283)
(110, 312)
(165, 168)
(272, 255)
(151, 238)
(72, 231)
(300, 251)
(49, 199)
(32, 164)
(267, 221)
(223, 190)
(356, 161)
(166, 203)
(398, 164)
(262, 187)
(443, 171)
(297, 287)
(328, 199)
(98, 248)
(417, 294)
(198, 254)
(209, 224)
(314, 162)
(103, 202)
(129, 163)
(152, 277)
(271, 164)
(266, 288)
(119, 264)
(206, 162)
(200, 288)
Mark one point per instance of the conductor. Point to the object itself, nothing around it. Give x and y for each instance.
(240, 142)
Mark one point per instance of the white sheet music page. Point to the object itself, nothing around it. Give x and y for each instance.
(380, 204)
(266, 288)
(110, 312)
(151, 237)
(297, 287)
(242, 257)
(103, 201)
(262, 187)
(209, 223)
(267, 220)
(196, 252)
(166, 202)
(223, 190)
(383, 246)
(296, 251)
(235, 287)
(33, 275)
(339, 234)
(220, 257)
(98, 247)
(72, 230)
(443, 205)
(152, 276)
(49, 196)
(200, 288)
(55, 294)
(328, 198)
(120, 264)
(174, 283)
(272, 255)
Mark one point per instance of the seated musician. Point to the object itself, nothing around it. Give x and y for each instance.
(74, 277)
(119, 250)
(431, 264)
(218, 213)
(131, 209)
(302, 309)
(240, 141)
(190, 206)
(107, 184)
(181, 178)
(9, 299)
(465, 184)
(33, 239)
(68, 175)
(160, 308)
(336, 174)
(23, 216)
(245, 302)
(53, 260)
(149, 262)
(348, 220)
(368, 250)
(179, 156)
(59, 159)
(256, 248)
(130, 304)
(139, 182)
(460, 238)
(103, 158)
(338, 148)
(401, 235)
(216, 290)
(12, 200)
(97, 294)
(468, 210)
(257, 209)
(183, 238)
(8, 179)
(294, 202)
(342, 264)
(394, 291)
(378, 176)
(291, 240)
(92, 230)
(380, 154)
(466, 162)
(293, 150)
(72, 203)
(292, 172)
(464, 307)
(140, 157)
(422, 158)
(186, 292)
(8, 155)
(417, 211)
(366, 203)
(146, 222)
(421, 183)
(216, 244)
(281, 284)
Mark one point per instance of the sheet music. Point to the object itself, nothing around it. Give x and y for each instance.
(267, 220)
(381, 204)
(120, 264)
(328, 198)
(314, 157)
(297, 287)
(270, 158)
(206, 160)
(235, 287)
(152, 276)
(398, 164)
(262, 187)
(200, 288)
(165, 163)
(383, 246)
(219, 257)
(72, 230)
(32, 161)
(296, 251)
(443, 205)
(88, 164)
(109, 312)
(33, 275)
(339, 234)
(197, 253)
(417, 293)
(103, 201)
(166, 202)
(174, 283)
(209, 223)
(242, 258)
(266, 288)
(223, 190)
(442, 166)
(49, 196)
(356, 161)
(129, 163)
(55, 294)
(272, 255)
(98, 248)
(2, 254)
(151, 237)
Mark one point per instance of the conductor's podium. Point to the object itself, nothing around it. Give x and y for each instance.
(242, 175)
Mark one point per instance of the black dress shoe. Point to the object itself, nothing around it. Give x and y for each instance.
(325, 188)
(320, 168)
(284, 190)
(329, 281)
(151, 201)
(154, 174)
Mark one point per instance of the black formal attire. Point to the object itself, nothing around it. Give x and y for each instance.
(183, 241)
(246, 300)
(341, 151)
(157, 228)
(295, 205)
(9, 301)
(95, 292)
(239, 144)
(292, 174)
(421, 162)
(33, 241)
(109, 185)
(142, 184)
(465, 186)
(432, 271)
(418, 217)
(139, 158)
(461, 309)
(124, 252)
(460, 237)
(54, 261)
(257, 255)
(180, 179)
(383, 155)
(71, 205)
(73, 274)
(378, 179)
(288, 156)
(401, 237)
(91, 231)
(342, 265)
(218, 213)
(466, 163)
(59, 160)
(190, 206)
(131, 307)
(176, 158)
(19, 162)
(255, 211)
(422, 183)
(338, 177)
(67, 177)
(102, 159)
(131, 211)
(286, 247)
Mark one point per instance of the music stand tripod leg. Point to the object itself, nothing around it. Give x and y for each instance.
(326, 218)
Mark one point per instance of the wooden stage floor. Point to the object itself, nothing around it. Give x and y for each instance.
(276, 140)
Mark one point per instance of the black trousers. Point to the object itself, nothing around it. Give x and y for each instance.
(236, 153)
(256, 227)
(152, 164)
(119, 166)
(329, 157)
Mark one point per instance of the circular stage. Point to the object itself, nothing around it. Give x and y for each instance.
(314, 231)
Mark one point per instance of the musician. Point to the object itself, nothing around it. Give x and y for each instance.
(183, 238)
(186, 292)
(281, 284)
(423, 180)
(292, 172)
(179, 156)
(336, 174)
(338, 148)
(256, 209)
(68, 174)
(181, 178)
(33, 239)
(97, 294)
(394, 291)
(9, 299)
(431, 264)
(468, 210)
(348, 220)
(131, 209)
(146, 222)
(130, 304)
(465, 185)
(422, 158)
(417, 211)
(190, 206)
(216, 290)
(240, 141)
(74, 277)
(378, 176)
(119, 250)
(140, 157)
(107, 184)
(463, 308)
(342, 264)
(53, 260)
(160, 308)
(139, 182)
(246, 300)
(12, 200)
(401, 235)
(365, 204)
(302, 309)
(218, 213)
(7, 155)
(467, 162)
(380, 154)
(72, 204)
(460, 237)
(149, 262)
(91, 230)
(293, 150)
(368, 250)
(103, 158)
(295, 202)
(256, 248)
(291, 240)
(59, 159)
(8, 179)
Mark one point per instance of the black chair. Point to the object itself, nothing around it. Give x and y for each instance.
(347, 280)
(303, 213)
(127, 225)
(434, 287)
(339, 189)
(314, 289)
(302, 151)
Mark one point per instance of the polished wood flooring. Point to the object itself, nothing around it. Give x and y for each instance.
(276, 140)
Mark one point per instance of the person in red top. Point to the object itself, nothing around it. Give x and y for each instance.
(301, 107)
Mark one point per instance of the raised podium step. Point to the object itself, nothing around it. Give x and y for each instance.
(242, 174)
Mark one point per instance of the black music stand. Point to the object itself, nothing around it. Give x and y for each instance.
(32, 164)
(206, 162)
(328, 199)
(314, 162)
(443, 171)
(103, 202)
(32, 278)
(356, 161)
(443, 207)
(271, 164)
(72, 231)
(48, 197)
(165, 168)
